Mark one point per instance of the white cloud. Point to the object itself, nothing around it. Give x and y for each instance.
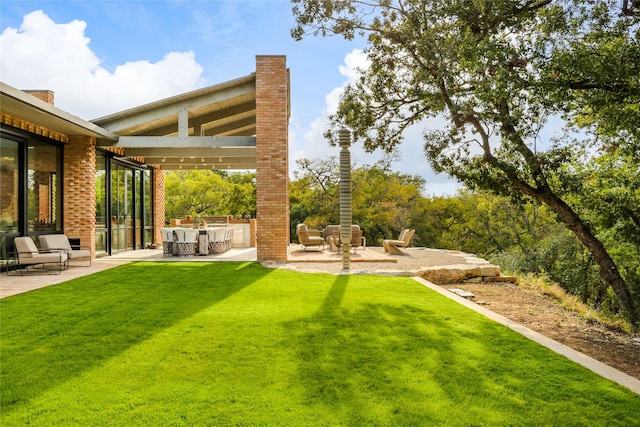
(44, 55)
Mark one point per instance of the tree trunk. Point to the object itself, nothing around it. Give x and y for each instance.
(608, 270)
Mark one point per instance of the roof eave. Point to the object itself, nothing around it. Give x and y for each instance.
(25, 106)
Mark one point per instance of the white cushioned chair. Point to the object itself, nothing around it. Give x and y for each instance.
(167, 241)
(216, 238)
(187, 241)
(27, 255)
(60, 242)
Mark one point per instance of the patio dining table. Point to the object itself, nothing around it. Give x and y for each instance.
(203, 239)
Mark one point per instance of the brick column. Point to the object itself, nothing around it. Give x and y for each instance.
(272, 148)
(79, 190)
(158, 204)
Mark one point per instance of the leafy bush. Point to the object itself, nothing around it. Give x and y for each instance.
(563, 260)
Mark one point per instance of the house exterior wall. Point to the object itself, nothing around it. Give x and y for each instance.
(272, 147)
(269, 232)
(158, 204)
(79, 190)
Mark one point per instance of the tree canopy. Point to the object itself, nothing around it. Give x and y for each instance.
(501, 72)
(201, 192)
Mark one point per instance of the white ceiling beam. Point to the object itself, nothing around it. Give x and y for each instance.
(177, 142)
(221, 161)
(196, 152)
(149, 113)
(183, 124)
(247, 165)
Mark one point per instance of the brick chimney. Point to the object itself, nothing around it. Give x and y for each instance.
(43, 95)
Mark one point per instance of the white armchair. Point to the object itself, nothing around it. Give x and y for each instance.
(216, 239)
(27, 255)
(167, 240)
(60, 242)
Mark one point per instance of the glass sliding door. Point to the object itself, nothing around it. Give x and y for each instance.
(101, 205)
(138, 209)
(30, 188)
(9, 194)
(129, 209)
(147, 207)
(123, 195)
(118, 209)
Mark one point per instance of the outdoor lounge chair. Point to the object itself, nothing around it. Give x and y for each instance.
(328, 233)
(357, 239)
(393, 246)
(60, 242)
(309, 237)
(27, 255)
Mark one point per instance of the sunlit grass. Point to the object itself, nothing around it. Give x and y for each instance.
(238, 344)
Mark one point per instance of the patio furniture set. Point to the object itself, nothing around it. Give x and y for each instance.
(53, 256)
(191, 241)
(330, 238)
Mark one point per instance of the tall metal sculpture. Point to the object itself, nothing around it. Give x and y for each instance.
(344, 138)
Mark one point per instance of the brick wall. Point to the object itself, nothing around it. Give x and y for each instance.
(158, 204)
(80, 190)
(42, 95)
(272, 147)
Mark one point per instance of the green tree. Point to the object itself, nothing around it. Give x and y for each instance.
(314, 194)
(197, 192)
(610, 199)
(498, 71)
(382, 200)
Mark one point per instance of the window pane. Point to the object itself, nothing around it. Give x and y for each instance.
(9, 181)
(148, 206)
(129, 206)
(101, 204)
(43, 196)
(118, 210)
(8, 185)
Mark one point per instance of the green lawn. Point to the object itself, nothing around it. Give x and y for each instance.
(192, 344)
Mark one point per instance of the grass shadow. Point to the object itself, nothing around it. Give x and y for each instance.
(434, 363)
(56, 333)
(194, 345)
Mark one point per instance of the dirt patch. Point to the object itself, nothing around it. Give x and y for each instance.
(545, 315)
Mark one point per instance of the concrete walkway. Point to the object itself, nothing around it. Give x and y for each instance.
(12, 285)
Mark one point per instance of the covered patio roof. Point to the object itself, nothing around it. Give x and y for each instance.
(21, 105)
(207, 129)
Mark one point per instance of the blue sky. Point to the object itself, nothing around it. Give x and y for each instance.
(127, 53)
